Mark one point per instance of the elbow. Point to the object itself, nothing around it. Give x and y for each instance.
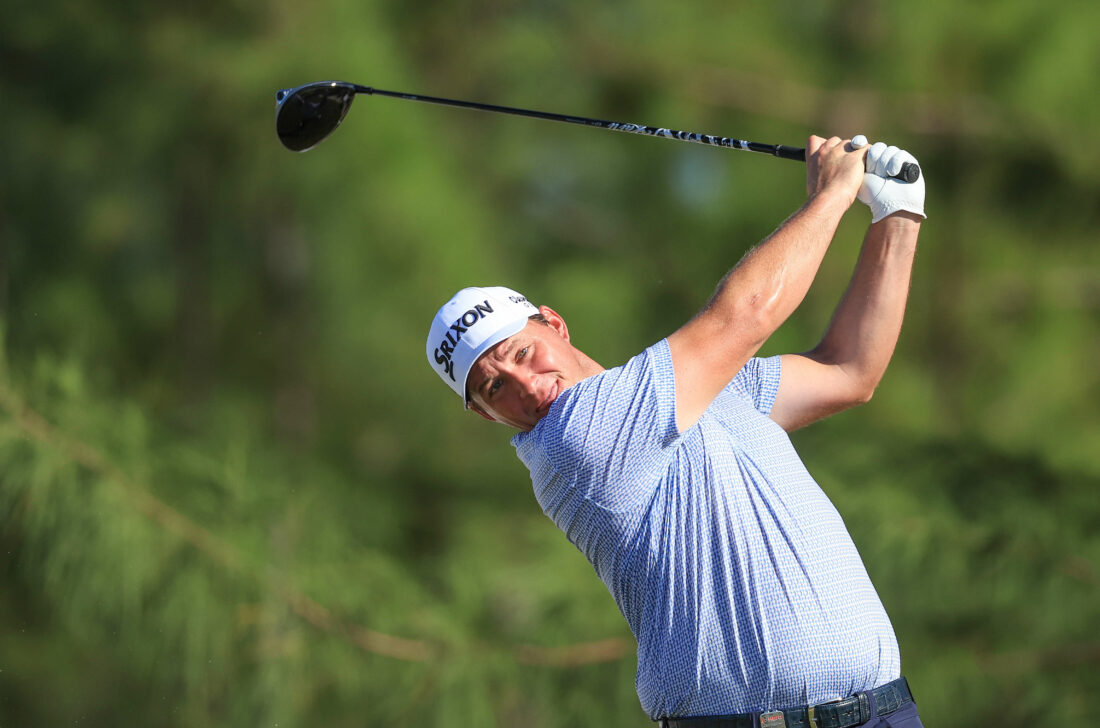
(753, 306)
(855, 387)
(862, 395)
(849, 399)
(748, 320)
(757, 317)
(855, 380)
(862, 391)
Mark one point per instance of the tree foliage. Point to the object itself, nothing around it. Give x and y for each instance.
(231, 492)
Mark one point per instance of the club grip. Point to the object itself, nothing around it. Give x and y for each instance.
(781, 150)
(910, 171)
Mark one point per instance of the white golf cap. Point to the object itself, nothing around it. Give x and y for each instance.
(471, 323)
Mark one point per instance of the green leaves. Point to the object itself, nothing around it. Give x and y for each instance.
(229, 484)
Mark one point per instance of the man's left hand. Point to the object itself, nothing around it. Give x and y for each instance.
(881, 192)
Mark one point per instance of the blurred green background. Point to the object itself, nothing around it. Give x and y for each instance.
(233, 494)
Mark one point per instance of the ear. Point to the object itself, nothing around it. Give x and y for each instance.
(555, 320)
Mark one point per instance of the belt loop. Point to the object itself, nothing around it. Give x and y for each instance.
(867, 706)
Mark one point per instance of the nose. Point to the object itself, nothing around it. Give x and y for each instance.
(529, 384)
(525, 384)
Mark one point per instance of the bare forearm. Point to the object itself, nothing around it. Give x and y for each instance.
(771, 280)
(846, 367)
(864, 331)
(766, 286)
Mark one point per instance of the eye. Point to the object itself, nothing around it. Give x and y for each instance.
(494, 386)
(522, 352)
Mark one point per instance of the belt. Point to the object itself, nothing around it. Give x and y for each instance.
(843, 713)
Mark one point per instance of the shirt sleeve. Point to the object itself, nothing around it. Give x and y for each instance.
(758, 382)
(607, 435)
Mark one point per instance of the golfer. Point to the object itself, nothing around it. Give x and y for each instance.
(674, 474)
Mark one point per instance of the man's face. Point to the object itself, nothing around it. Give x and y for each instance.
(517, 380)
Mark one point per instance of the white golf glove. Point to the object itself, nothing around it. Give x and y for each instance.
(881, 192)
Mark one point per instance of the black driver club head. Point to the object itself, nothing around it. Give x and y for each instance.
(305, 115)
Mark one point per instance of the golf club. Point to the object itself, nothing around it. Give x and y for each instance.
(305, 115)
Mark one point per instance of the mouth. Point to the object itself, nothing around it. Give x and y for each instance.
(551, 395)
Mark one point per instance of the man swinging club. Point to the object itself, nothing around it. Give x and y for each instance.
(674, 474)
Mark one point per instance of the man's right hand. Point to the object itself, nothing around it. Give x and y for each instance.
(834, 165)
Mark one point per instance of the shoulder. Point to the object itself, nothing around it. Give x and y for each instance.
(758, 382)
(645, 377)
(601, 421)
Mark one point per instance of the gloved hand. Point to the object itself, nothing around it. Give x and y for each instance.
(882, 193)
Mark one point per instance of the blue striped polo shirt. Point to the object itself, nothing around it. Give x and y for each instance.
(733, 569)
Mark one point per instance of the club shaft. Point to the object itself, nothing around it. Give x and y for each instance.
(909, 172)
(777, 150)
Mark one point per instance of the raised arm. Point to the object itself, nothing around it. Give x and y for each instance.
(846, 367)
(767, 285)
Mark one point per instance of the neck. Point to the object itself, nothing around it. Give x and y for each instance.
(589, 367)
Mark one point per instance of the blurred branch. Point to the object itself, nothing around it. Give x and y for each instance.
(586, 653)
(217, 550)
(368, 640)
(5, 265)
(841, 109)
(1029, 661)
(37, 428)
(1080, 569)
